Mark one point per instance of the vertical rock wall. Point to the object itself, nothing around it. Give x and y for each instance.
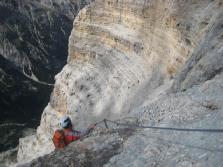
(33, 48)
(120, 53)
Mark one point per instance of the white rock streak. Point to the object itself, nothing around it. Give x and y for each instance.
(32, 76)
(123, 57)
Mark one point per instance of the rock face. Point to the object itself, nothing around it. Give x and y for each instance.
(133, 58)
(33, 48)
(92, 151)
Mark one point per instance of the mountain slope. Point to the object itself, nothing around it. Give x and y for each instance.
(34, 38)
(33, 48)
(160, 64)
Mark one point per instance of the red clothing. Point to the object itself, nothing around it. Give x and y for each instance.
(71, 135)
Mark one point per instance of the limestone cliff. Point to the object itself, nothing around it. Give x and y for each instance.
(33, 48)
(132, 58)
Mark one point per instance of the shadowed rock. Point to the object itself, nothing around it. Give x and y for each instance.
(135, 58)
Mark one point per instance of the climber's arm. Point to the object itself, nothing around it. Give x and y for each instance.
(87, 131)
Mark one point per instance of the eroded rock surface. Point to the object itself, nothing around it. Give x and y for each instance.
(132, 59)
(95, 150)
(33, 48)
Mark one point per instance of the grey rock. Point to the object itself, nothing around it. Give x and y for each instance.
(133, 59)
(206, 61)
(33, 39)
(95, 150)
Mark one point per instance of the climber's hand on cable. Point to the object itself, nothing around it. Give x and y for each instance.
(92, 126)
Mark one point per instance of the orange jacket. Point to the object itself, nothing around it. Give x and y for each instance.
(71, 135)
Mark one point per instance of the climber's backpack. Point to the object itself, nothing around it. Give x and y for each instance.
(59, 139)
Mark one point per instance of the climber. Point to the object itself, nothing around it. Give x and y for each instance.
(67, 135)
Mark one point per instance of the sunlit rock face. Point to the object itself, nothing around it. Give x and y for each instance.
(123, 57)
(33, 47)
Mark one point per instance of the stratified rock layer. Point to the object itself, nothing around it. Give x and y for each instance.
(33, 48)
(92, 151)
(123, 57)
